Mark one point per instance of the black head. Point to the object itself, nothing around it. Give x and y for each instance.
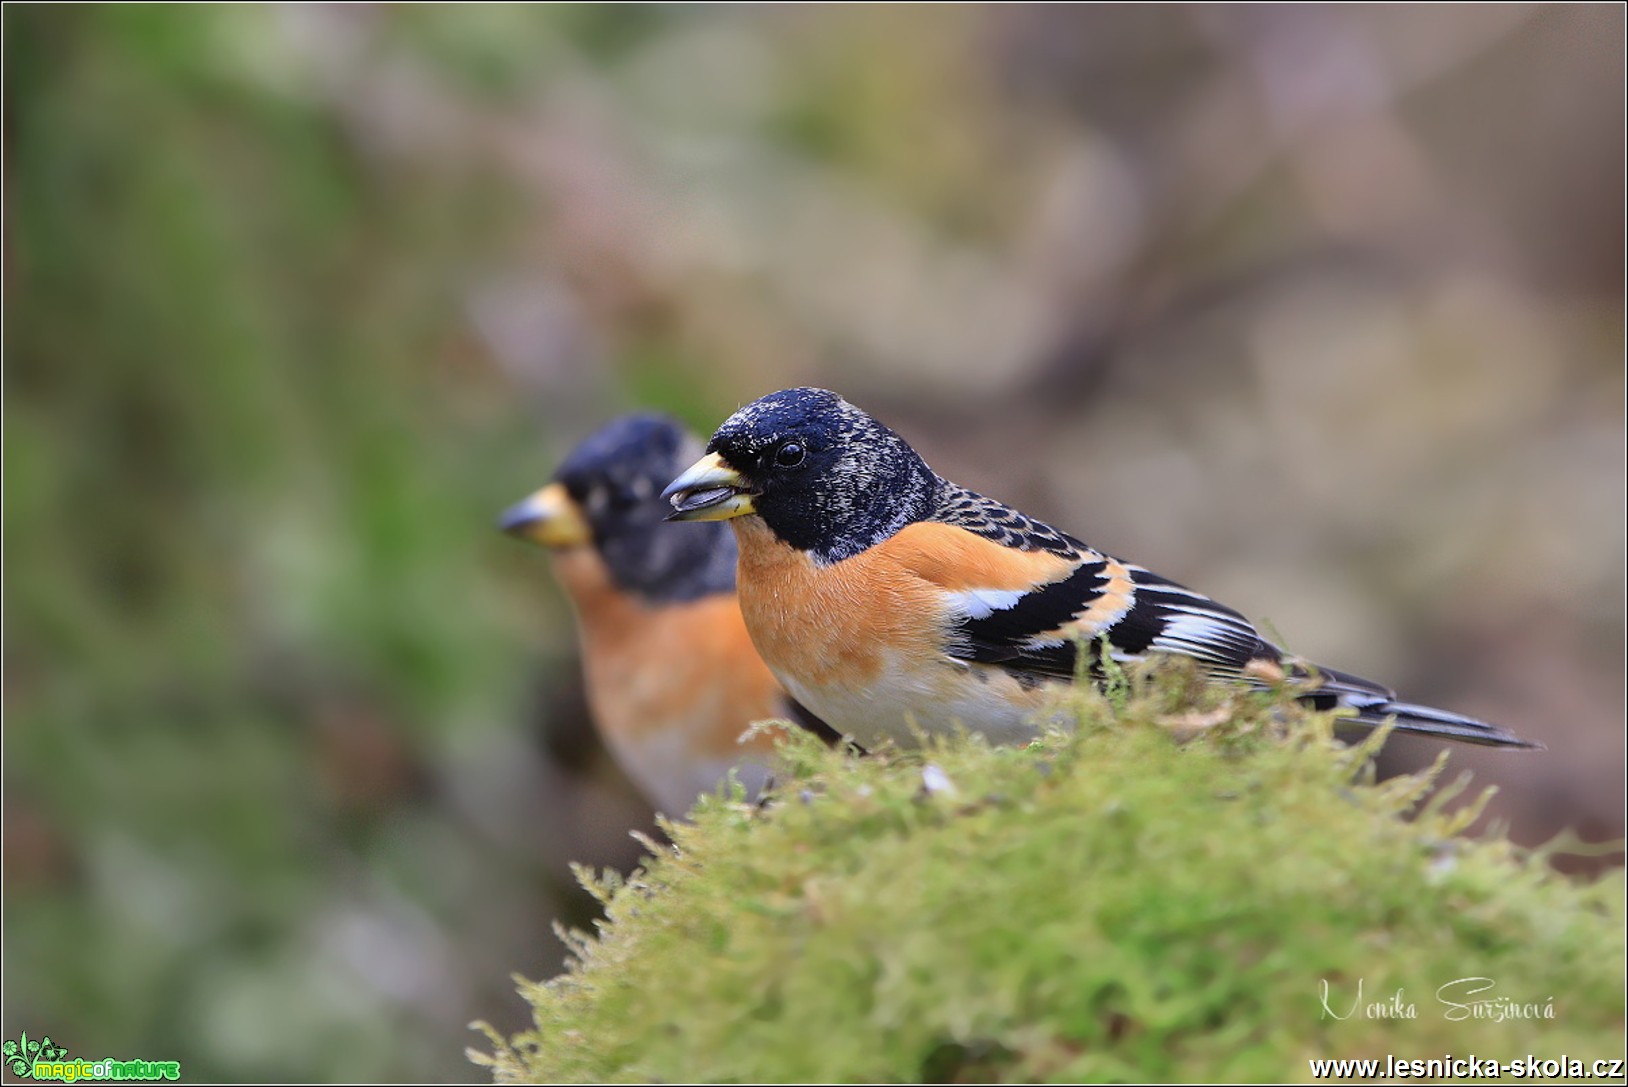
(607, 492)
(824, 476)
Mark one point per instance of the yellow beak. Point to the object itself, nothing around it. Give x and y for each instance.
(550, 518)
(709, 490)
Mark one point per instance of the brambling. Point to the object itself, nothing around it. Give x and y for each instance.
(887, 598)
(672, 678)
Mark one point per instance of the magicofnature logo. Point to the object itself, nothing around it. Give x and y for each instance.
(30, 1058)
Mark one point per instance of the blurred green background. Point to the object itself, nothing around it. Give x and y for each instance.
(1317, 309)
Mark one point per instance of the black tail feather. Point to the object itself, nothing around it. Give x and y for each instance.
(1429, 721)
(1376, 704)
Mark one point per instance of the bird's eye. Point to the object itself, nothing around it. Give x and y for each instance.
(789, 455)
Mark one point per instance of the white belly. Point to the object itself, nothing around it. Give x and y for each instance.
(902, 705)
(672, 775)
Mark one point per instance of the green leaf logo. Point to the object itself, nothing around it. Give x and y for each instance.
(17, 1056)
(20, 1055)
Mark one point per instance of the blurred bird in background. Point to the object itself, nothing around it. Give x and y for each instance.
(888, 598)
(673, 680)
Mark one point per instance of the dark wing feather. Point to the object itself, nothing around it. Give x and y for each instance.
(1165, 617)
(1027, 636)
(1040, 632)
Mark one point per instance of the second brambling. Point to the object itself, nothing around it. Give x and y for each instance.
(672, 678)
(887, 598)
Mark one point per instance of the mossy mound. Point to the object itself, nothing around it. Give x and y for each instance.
(1102, 905)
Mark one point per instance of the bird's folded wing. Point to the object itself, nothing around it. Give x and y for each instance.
(1029, 610)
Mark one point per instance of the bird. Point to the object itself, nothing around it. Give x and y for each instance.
(891, 601)
(672, 678)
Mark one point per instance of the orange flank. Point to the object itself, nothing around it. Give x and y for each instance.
(953, 558)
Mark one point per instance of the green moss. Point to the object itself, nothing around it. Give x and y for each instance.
(1102, 905)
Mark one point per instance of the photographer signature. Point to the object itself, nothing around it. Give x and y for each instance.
(1461, 998)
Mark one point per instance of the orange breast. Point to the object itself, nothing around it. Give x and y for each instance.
(833, 625)
(688, 668)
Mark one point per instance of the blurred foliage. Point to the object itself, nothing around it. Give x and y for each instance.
(1315, 308)
(252, 612)
(1102, 907)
